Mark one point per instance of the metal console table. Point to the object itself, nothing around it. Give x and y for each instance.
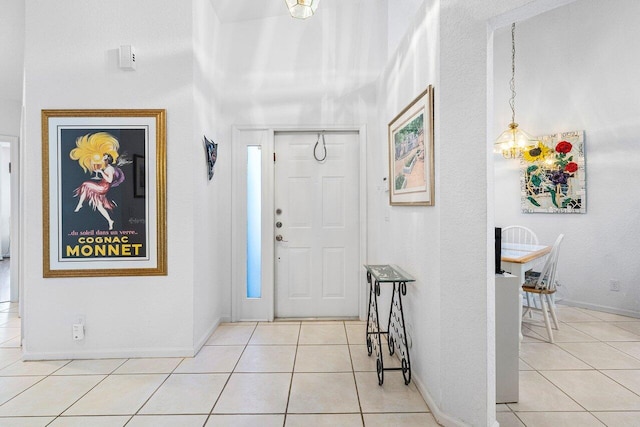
(396, 332)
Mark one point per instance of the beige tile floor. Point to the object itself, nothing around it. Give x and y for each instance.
(316, 374)
(248, 374)
(590, 376)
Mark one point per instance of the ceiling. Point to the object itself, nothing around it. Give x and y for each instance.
(243, 10)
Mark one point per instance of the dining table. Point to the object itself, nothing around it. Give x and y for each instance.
(518, 258)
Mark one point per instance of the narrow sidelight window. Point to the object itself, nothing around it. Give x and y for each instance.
(254, 221)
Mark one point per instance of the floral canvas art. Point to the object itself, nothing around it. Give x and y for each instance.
(552, 175)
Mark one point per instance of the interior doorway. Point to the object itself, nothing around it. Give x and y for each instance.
(5, 219)
(10, 214)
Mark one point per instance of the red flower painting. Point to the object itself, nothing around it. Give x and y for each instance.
(564, 147)
(571, 167)
(553, 178)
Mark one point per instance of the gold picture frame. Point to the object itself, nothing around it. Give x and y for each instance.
(97, 219)
(411, 162)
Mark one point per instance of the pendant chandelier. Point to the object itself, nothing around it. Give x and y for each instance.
(513, 141)
(302, 9)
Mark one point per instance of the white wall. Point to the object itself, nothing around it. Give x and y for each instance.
(400, 15)
(71, 62)
(12, 48)
(576, 70)
(211, 269)
(402, 235)
(280, 71)
(317, 71)
(466, 299)
(464, 176)
(449, 309)
(10, 117)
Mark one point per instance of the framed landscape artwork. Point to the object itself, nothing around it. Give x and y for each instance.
(104, 186)
(552, 175)
(411, 173)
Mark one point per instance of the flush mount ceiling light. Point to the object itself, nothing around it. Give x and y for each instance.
(302, 9)
(513, 141)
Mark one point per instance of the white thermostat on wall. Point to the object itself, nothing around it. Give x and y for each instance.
(127, 57)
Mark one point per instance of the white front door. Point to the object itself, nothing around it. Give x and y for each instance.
(317, 217)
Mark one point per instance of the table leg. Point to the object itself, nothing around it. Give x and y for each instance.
(397, 333)
(369, 316)
(373, 327)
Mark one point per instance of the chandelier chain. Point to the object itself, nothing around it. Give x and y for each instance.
(512, 101)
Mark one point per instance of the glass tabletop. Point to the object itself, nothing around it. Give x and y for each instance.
(388, 273)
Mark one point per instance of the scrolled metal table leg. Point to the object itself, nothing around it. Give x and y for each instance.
(373, 327)
(378, 343)
(391, 343)
(370, 328)
(406, 371)
(397, 329)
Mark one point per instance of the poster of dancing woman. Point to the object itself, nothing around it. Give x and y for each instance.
(95, 221)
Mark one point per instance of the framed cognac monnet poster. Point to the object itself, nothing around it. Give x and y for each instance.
(104, 186)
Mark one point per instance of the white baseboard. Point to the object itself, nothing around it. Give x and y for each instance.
(110, 354)
(131, 353)
(441, 417)
(203, 340)
(598, 307)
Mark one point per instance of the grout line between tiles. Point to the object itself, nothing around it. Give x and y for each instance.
(157, 388)
(353, 372)
(293, 368)
(37, 382)
(83, 395)
(230, 374)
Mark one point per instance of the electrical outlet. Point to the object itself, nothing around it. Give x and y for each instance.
(78, 331)
(78, 327)
(614, 285)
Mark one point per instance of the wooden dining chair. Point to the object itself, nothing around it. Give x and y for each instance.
(522, 235)
(519, 234)
(543, 284)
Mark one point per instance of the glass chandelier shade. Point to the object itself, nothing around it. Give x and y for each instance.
(302, 9)
(513, 141)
